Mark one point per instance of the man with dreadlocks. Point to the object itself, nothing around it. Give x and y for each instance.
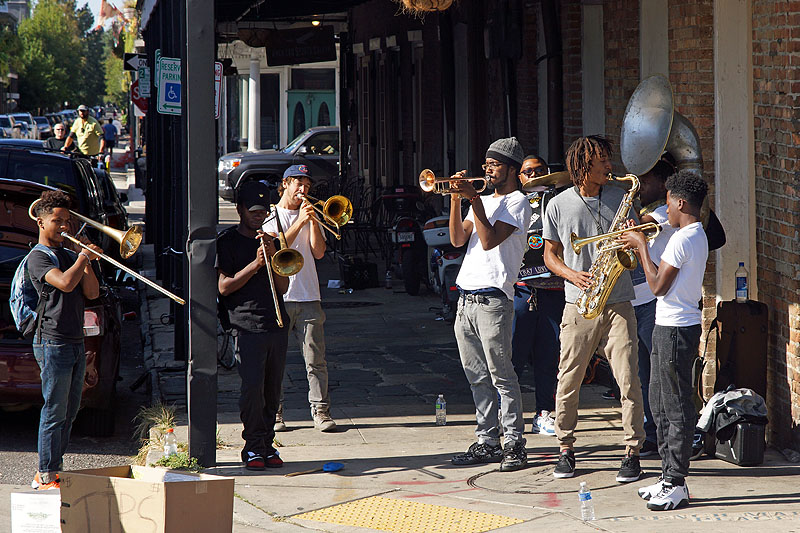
(589, 209)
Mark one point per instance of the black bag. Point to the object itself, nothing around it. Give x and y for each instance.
(357, 273)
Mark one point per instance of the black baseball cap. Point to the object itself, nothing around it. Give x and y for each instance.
(254, 195)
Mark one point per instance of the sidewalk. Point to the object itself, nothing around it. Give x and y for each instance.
(388, 359)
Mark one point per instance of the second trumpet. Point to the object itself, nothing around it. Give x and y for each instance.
(428, 182)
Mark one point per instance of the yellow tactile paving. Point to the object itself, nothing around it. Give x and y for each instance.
(402, 516)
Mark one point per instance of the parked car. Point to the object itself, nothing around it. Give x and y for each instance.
(28, 160)
(27, 118)
(10, 127)
(318, 148)
(20, 385)
(45, 129)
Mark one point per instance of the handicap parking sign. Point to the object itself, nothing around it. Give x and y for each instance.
(172, 93)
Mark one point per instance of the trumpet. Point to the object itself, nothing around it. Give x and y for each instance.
(428, 182)
(119, 236)
(336, 211)
(650, 229)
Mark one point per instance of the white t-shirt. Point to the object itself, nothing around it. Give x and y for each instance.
(303, 286)
(687, 250)
(498, 267)
(657, 245)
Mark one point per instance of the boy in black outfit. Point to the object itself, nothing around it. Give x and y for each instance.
(245, 290)
(58, 346)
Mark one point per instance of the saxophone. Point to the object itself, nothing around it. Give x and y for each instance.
(611, 261)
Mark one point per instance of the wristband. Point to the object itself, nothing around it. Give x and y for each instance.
(472, 200)
(84, 254)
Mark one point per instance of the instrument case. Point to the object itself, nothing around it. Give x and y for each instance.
(745, 447)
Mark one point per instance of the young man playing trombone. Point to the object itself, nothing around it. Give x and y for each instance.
(495, 232)
(58, 343)
(245, 288)
(303, 306)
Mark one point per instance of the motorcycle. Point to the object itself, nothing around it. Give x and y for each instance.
(444, 262)
(405, 210)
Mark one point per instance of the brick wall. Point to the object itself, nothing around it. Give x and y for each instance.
(691, 73)
(621, 29)
(776, 92)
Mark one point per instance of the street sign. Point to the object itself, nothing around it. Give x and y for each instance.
(217, 88)
(144, 81)
(137, 98)
(169, 86)
(134, 61)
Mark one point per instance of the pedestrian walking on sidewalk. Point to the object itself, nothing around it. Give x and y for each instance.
(495, 232)
(303, 301)
(678, 285)
(58, 342)
(244, 287)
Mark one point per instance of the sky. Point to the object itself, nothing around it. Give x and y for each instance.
(94, 5)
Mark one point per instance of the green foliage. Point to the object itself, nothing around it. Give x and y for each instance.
(10, 47)
(180, 461)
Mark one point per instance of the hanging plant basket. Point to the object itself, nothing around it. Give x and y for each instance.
(420, 7)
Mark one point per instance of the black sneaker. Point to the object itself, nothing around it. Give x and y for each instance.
(648, 448)
(514, 456)
(566, 464)
(630, 469)
(610, 394)
(479, 453)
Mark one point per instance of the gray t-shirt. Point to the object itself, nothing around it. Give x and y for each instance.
(570, 213)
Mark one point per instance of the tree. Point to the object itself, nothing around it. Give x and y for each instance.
(10, 47)
(95, 48)
(52, 56)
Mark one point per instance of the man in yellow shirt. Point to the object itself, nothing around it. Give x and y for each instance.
(86, 133)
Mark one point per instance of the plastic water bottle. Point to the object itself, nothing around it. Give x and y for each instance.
(388, 279)
(587, 505)
(441, 411)
(170, 443)
(742, 290)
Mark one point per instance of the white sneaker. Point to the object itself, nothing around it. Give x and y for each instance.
(546, 423)
(322, 419)
(669, 497)
(649, 491)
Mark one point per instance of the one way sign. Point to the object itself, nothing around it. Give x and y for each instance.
(134, 61)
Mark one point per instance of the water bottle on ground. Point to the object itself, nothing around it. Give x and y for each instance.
(587, 505)
(742, 289)
(170, 443)
(388, 279)
(441, 411)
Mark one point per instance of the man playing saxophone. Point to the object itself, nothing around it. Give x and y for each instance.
(589, 209)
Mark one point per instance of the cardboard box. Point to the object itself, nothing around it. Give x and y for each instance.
(145, 500)
(35, 511)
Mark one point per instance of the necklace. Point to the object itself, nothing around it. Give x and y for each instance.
(597, 219)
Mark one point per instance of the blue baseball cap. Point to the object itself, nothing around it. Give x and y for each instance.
(297, 171)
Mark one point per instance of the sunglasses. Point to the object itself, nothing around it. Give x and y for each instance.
(540, 171)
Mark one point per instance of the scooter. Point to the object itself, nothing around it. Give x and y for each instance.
(444, 262)
(405, 231)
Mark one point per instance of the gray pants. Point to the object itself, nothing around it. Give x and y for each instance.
(306, 320)
(483, 333)
(671, 393)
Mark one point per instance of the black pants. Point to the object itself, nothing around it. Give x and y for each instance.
(262, 359)
(671, 393)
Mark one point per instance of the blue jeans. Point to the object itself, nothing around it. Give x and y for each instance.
(535, 341)
(645, 321)
(483, 335)
(62, 366)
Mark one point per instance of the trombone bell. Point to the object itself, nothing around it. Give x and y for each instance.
(336, 210)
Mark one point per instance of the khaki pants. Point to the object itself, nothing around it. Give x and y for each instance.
(614, 332)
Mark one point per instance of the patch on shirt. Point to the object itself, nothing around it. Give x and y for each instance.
(535, 241)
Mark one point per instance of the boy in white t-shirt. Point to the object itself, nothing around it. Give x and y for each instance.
(302, 299)
(495, 232)
(677, 283)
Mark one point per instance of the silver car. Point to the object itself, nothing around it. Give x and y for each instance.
(27, 118)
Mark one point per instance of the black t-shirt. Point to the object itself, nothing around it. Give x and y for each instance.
(56, 144)
(62, 320)
(251, 308)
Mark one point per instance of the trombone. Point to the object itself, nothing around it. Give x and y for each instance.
(129, 240)
(122, 238)
(284, 262)
(428, 182)
(650, 229)
(336, 210)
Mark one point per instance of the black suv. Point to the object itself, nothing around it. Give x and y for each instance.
(317, 148)
(91, 188)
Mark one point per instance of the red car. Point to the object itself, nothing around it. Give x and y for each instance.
(20, 386)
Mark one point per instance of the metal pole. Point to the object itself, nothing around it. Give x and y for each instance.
(198, 109)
